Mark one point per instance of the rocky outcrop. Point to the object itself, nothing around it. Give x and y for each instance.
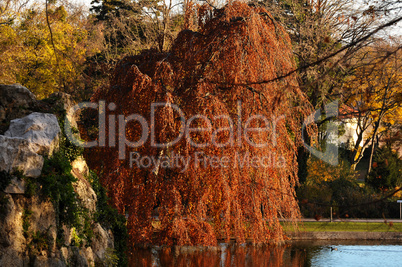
(17, 154)
(16, 186)
(41, 130)
(27, 139)
(85, 193)
(28, 236)
(102, 241)
(65, 102)
(15, 101)
(30, 231)
(25, 222)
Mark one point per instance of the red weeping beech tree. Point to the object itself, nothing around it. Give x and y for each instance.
(237, 181)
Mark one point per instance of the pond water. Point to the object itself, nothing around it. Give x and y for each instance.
(327, 253)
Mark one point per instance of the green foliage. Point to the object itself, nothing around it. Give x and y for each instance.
(36, 241)
(31, 186)
(26, 215)
(40, 240)
(111, 258)
(110, 218)
(70, 151)
(56, 106)
(60, 237)
(56, 180)
(348, 200)
(75, 239)
(57, 184)
(387, 170)
(107, 9)
(320, 172)
(337, 186)
(86, 231)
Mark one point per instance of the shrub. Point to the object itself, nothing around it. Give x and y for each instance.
(337, 186)
(386, 170)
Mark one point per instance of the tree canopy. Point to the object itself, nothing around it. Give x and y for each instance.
(45, 61)
(213, 76)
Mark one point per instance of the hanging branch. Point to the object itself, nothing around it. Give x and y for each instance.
(323, 59)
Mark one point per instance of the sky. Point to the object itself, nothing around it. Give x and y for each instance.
(86, 2)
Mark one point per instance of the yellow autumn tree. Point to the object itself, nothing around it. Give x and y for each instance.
(45, 51)
(373, 96)
(320, 171)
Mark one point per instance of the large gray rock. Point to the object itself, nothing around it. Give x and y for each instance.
(17, 154)
(40, 129)
(16, 101)
(16, 93)
(26, 140)
(22, 148)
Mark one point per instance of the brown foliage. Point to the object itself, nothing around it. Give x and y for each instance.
(206, 73)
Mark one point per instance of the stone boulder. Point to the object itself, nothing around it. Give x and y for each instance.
(17, 153)
(13, 248)
(29, 223)
(41, 130)
(16, 101)
(26, 141)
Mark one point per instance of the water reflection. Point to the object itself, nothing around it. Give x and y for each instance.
(326, 253)
(223, 255)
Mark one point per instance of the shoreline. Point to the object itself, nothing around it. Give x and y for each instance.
(343, 235)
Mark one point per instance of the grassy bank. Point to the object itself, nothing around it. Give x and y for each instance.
(345, 227)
